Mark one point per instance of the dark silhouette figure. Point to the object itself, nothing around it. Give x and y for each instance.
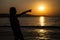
(15, 23)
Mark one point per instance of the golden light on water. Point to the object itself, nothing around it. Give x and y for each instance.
(42, 34)
(42, 20)
(42, 30)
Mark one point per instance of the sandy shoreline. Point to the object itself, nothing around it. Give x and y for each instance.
(6, 33)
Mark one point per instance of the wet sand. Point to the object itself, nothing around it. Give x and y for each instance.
(6, 33)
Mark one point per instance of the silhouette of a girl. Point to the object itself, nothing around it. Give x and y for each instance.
(15, 23)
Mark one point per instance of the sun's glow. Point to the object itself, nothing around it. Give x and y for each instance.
(41, 8)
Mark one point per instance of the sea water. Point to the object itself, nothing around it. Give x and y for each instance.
(6, 33)
(33, 21)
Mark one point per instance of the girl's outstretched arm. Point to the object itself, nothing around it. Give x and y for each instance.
(23, 12)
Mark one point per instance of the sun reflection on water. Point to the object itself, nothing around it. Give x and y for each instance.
(42, 30)
(42, 20)
(43, 34)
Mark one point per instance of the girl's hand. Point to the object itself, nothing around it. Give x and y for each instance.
(28, 10)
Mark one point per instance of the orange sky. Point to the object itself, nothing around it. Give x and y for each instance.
(52, 7)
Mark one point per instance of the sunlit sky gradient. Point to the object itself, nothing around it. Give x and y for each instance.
(52, 7)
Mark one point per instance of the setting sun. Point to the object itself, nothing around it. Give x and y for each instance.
(41, 8)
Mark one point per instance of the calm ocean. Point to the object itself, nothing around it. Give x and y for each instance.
(6, 33)
(33, 21)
